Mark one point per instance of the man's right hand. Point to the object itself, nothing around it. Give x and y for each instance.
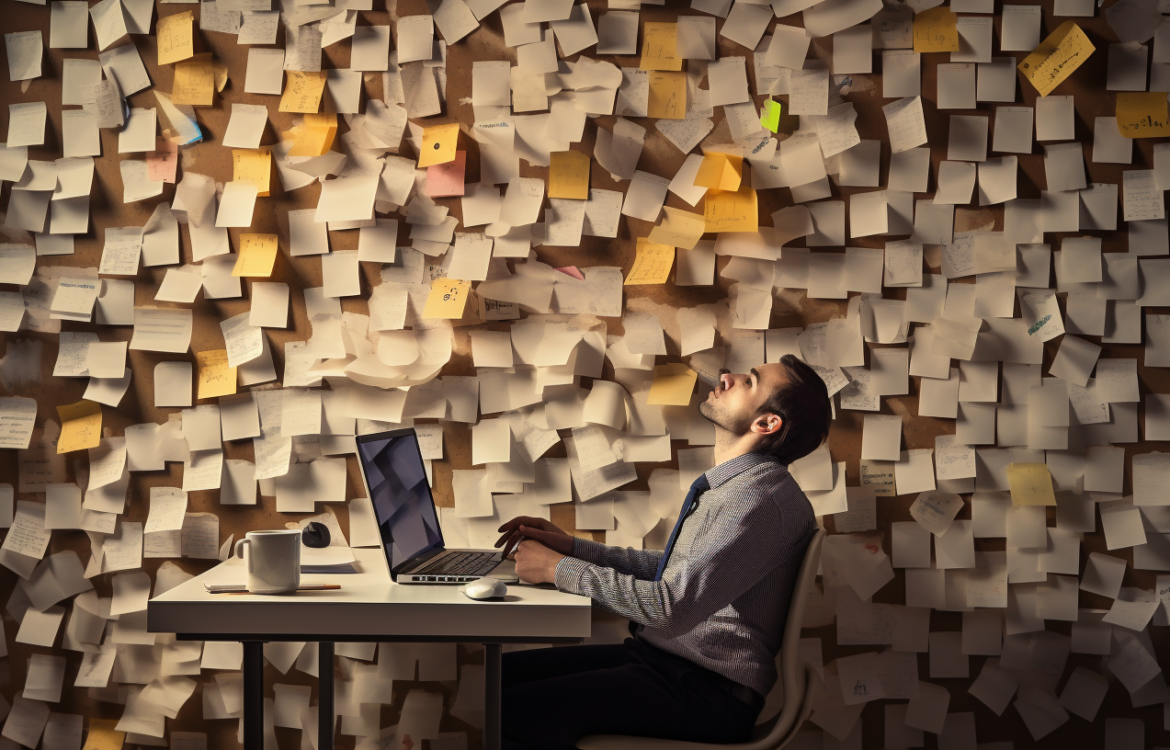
(545, 532)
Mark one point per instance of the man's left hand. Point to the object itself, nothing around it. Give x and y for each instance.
(535, 562)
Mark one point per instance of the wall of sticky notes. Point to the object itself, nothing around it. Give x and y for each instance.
(236, 235)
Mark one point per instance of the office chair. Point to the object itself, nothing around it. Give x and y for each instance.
(796, 679)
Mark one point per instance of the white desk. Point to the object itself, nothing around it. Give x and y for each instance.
(368, 607)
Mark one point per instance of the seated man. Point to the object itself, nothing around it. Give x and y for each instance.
(707, 614)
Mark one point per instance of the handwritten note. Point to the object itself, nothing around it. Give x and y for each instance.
(732, 211)
(1030, 484)
(679, 229)
(1065, 50)
(936, 30)
(257, 256)
(194, 82)
(1142, 114)
(174, 39)
(447, 298)
(660, 47)
(652, 263)
(568, 175)
(81, 426)
(216, 377)
(253, 166)
(668, 95)
(302, 91)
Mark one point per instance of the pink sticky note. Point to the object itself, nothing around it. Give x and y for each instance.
(572, 271)
(447, 179)
(161, 164)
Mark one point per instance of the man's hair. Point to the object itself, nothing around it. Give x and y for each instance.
(802, 403)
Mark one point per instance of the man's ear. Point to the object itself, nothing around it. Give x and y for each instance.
(769, 423)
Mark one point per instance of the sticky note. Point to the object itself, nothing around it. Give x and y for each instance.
(1142, 115)
(679, 229)
(1065, 50)
(672, 386)
(720, 172)
(302, 91)
(174, 38)
(216, 378)
(447, 298)
(668, 95)
(652, 263)
(314, 137)
(438, 144)
(731, 211)
(252, 165)
(1030, 484)
(568, 175)
(445, 180)
(81, 426)
(257, 256)
(770, 117)
(162, 162)
(660, 47)
(936, 30)
(194, 82)
(103, 736)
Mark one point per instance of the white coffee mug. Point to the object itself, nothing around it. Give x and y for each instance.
(273, 561)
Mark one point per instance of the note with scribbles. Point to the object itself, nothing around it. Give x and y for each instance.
(660, 47)
(1065, 50)
(216, 377)
(81, 426)
(668, 95)
(652, 263)
(174, 37)
(302, 91)
(446, 299)
(936, 30)
(1142, 114)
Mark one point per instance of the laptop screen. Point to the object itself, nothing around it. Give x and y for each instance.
(397, 482)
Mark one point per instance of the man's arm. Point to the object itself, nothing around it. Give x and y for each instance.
(638, 563)
(736, 551)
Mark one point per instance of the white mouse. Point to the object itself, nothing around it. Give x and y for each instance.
(485, 588)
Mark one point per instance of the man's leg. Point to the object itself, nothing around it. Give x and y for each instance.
(541, 663)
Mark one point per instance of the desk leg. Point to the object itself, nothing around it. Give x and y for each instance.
(493, 673)
(253, 695)
(325, 720)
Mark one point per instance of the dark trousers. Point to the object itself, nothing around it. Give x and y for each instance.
(554, 696)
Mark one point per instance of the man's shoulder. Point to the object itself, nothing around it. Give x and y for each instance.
(771, 480)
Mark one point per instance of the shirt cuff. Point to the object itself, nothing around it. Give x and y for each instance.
(568, 574)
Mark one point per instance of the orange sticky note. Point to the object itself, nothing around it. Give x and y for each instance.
(103, 736)
(194, 82)
(568, 175)
(162, 162)
(174, 38)
(302, 91)
(672, 385)
(731, 211)
(445, 180)
(660, 47)
(315, 136)
(1055, 59)
(668, 95)
(652, 263)
(216, 378)
(439, 143)
(81, 426)
(936, 30)
(1142, 114)
(254, 166)
(447, 299)
(257, 256)
(720, 172)
(1030, 484)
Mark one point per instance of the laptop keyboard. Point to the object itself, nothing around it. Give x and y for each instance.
(471, 562)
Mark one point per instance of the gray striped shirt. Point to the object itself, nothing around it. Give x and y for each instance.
(724, 594)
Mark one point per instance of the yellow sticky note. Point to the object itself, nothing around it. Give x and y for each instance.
(1030, 484)
(1142, 115)
(81, 426)
(770, 117)
(1065, 50)
(316, 136)
(447, 299)
(439, 144)
(660, 47)
(672, 385)
(174, 38)
(720, 172)
(194, 82)
(679, 229)
(302, 91)
(216, 378)
(103, 736)
(252, 166)
(257, 256)
(936, 30)
(731, 211)
(668, 95)
(568, 175)
(652, 263)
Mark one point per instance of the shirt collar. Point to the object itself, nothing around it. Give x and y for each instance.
(732, 467)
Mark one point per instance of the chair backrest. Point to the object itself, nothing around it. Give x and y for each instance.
(794, 673)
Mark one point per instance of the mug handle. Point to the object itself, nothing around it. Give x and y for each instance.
(239, 552)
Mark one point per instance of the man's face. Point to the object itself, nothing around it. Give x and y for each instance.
(736, 402)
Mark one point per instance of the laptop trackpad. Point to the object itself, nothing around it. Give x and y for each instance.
(505, 571)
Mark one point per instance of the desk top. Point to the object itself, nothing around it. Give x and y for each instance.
(369, 606)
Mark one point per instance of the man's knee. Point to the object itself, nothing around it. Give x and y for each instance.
(527, 722)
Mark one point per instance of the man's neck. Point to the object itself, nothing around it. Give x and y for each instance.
(728, 446)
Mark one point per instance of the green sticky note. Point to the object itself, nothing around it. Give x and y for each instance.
(770, 119)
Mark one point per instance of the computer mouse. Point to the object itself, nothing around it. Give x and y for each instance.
(485, 588)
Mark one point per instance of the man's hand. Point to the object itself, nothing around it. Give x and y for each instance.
(539, 529)
(535, 562)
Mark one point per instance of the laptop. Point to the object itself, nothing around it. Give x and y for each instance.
(396, 480)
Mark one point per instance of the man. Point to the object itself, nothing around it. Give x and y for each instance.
(707, 614)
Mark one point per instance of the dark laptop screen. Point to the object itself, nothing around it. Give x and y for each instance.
(402, 499)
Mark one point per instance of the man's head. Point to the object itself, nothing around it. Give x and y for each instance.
(785, 404)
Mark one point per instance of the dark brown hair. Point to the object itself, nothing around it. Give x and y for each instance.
(802, 403)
